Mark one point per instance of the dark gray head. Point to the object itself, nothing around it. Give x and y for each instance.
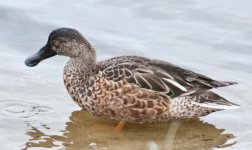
(63, 41)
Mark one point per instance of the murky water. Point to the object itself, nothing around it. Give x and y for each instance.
(210, 37)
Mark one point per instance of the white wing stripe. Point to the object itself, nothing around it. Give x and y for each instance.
(175, 84)
(215, 106)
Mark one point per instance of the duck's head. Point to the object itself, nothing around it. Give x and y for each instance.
(63, 41)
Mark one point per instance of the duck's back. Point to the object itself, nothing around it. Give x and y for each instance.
(157, 75)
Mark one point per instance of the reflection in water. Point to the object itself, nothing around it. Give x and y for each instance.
(87, 132)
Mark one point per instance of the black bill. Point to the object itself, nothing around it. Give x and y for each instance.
(44, 53)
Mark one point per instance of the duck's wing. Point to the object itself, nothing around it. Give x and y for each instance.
(156, 75)
(135, 70)
(189, 79)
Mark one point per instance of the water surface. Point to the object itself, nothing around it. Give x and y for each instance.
(209, 37)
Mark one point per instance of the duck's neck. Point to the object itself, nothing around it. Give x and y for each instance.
(80, 64)
(85, 61)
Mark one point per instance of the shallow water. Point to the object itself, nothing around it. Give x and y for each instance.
(210, 37)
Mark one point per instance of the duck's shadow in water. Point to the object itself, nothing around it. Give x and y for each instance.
(87, 132)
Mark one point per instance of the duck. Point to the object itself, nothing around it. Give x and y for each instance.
(132, 89)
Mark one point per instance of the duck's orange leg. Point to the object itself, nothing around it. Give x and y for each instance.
(120, 126)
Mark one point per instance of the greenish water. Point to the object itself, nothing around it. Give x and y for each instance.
(209, 37)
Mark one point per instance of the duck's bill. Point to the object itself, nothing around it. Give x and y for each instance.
(44, 53)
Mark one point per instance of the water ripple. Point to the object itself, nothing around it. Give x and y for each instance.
(22, 109)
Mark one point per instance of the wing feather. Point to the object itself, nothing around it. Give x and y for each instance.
(157, 75)
(145, 77)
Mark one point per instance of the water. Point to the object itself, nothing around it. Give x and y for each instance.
(210, 37)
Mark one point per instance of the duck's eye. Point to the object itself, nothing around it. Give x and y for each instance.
(55, 43)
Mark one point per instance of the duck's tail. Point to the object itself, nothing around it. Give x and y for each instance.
(209, 99)
(199, 104)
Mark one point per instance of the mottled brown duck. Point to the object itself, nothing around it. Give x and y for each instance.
(130, 88)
